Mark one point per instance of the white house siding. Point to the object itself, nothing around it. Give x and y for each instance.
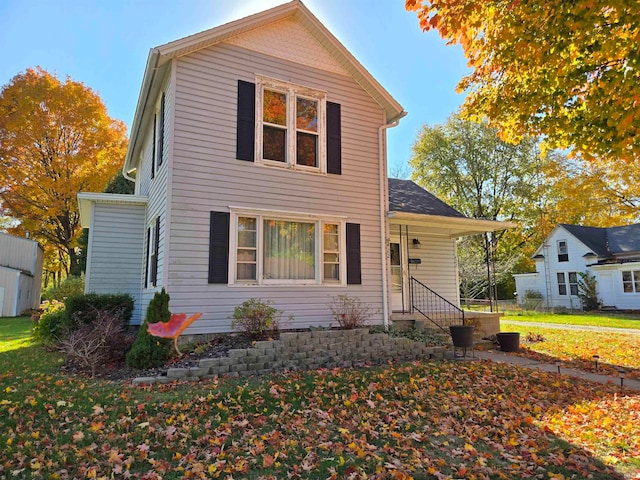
(609, 284)
(576, 263)
(18, 253)
(9, 279)
(437, 254)
(207, 177)
(115, 248)
(25, 288)
(526, 282)
(156, 189)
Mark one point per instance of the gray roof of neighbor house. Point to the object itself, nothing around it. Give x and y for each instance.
(406, 196)
(610, 241)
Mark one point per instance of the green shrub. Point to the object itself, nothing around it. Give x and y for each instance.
(69, 287)
(255, 317)
(533, 300)
(148, 351)
(53, 324)
(82, 308)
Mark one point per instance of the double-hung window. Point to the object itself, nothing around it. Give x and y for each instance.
(290, 125)
(573, 283)
(272, 248)
(562, 286)
(631, 281)
(563, 252)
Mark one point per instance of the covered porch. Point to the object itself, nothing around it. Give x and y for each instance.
(423, 263)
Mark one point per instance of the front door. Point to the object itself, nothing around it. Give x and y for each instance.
(399, 277)
(606, 289)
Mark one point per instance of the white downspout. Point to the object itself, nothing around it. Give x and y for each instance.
(384, 207)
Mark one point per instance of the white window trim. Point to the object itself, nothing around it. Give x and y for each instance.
(566, 248)
(292, 90)
(622, 282)
(260, 215)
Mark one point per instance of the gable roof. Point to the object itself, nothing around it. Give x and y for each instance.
(593, 237)
(160, 56)
(406, 196)
(605, 242)
(608, 241)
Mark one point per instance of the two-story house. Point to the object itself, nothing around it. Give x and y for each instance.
(258, 151)
(611, 255)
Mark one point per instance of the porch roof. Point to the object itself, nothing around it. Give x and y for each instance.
(411, 204)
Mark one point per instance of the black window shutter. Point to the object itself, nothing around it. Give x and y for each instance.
(219, 248)
(153, 148)
(245, 140)
(334, 139)
(353, 254)
(146, 259)
(161, 132)
(154, 257)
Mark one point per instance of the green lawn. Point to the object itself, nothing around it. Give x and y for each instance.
(592, 319)
(467, 420)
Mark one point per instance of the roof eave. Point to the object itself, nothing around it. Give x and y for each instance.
(86, 199)
(464, 226)
(150, 75)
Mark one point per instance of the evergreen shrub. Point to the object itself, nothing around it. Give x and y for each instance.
(148, 351)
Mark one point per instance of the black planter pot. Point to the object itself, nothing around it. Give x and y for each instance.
(509, 341)
(462, 335)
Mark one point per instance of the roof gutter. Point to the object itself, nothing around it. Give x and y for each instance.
(384, 206)
(143, 100)
(473, 224)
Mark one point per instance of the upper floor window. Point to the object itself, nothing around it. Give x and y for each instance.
(563, 253)
(631, 281)
(291, 126)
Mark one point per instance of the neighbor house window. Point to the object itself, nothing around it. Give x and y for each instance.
(270, 249)
(290, 125)
(563, 253)
(631, 281)
(573, 283)
(562, 286)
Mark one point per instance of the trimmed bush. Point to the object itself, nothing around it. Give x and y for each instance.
(82, 309)
(148, 351)
(71, 286)
(255, 317)
(53, 324)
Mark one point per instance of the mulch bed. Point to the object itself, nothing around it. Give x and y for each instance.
(218, 346)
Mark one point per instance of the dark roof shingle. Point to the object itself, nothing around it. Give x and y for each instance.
(406, 196)
(609, 241)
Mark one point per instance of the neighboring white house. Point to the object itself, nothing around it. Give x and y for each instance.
(20, 275)
(611, 254)
(259, 155)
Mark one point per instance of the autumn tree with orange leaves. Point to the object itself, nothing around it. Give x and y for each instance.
(56, 139)
(566, 71)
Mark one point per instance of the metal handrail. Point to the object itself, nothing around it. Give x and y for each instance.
(429, 303)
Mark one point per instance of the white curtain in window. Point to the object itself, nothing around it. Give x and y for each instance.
(289, 250)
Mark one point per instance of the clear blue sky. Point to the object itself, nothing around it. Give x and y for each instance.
(105, 44)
